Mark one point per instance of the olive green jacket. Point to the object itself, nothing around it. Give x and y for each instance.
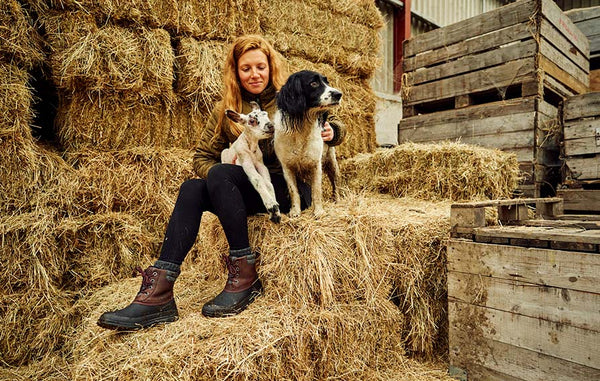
(208, 151)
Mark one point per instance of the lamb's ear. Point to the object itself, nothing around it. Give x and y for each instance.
(233, 116)
(255, 106)
(290, 98)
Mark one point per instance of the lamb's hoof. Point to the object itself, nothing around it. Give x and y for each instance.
(275, 215)
(294, 213)
(319, 212)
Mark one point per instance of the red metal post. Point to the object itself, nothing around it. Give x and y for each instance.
(401, 33)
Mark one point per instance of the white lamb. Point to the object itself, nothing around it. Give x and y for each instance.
(246, 153)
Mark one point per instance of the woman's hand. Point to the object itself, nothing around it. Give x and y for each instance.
(327, 133)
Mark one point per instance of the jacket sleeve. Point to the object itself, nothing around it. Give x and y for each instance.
(339, 130)
(208, 151)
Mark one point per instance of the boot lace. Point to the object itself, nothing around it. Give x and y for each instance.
(147, 279)
(232, 269)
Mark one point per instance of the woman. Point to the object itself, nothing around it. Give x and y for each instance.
(252, 72)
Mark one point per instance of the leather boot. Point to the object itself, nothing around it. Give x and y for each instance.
(242, 287)
(153, 304)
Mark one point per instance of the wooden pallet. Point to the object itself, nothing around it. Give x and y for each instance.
(524, 296)
(497, 80)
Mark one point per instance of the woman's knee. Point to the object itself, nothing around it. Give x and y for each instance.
(192, 190)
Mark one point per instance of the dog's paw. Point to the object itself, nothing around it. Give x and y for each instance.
(275, 215)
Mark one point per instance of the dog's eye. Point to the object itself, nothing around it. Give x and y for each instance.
(314, 84)
(253, 121)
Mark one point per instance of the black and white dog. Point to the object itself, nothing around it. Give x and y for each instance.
(303, 103)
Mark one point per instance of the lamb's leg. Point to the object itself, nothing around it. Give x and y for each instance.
(263, 171)
(259, 183)
(290, 179)
(332, 169)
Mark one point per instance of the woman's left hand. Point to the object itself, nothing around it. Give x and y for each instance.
(327, 133)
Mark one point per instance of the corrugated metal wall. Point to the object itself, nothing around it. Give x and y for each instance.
(446, 12)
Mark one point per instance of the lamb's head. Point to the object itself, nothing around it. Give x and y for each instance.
(256, 123)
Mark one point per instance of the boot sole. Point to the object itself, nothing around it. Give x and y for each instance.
(126, 326)
(237, 309)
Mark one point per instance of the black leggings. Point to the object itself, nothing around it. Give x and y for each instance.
(228, 193)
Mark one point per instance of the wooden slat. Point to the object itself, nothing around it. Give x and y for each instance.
(580, 14)
(584, 168)
(582, 106)
(484, 23)
(554, 339)
(476, 112)
(564, 269)
(564, 46)
(573, 235)
(469, 63)
(559, 305)
(518, 32)
(472, 128)
(488, 359)
(564, 25)
(558, 87)
(561, 60)
(561, 76)
(589, 27)
(514, 201)
(582, 137)
(497, 77)
(581, 199)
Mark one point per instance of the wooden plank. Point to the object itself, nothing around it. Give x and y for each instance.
(476, 112)
(564, 46)
(561, 76)
(582, 137)
(584, 168)
(562, 61)
(514, 201)
(581, 106)
(560, 305)
(496, 126)
(498, 77)
(475, 26)
(474, 62)
(557, 87)
(519, 32)
(564, 269)
(580, 14)
(467, 217)
(564, 25)
(589, 27)
(574, 235)
(554, 339)
(581, 199)
(489, 359)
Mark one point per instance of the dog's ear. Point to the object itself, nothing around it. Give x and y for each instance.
(291, 98)
(233, 116)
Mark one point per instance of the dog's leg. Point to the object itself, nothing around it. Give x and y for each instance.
(259, 183)
(332, 169)
(317, 190)
(290, 179)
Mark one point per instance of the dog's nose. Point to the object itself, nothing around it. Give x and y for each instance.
(270, 127)
(336, 96)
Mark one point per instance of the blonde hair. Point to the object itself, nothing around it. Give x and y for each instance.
(232, 95)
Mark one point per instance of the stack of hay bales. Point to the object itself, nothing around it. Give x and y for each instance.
(345, 295)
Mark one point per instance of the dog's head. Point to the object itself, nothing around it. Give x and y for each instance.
(256, 122)
(306, 91)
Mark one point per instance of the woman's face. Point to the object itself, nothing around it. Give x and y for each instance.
(253, 71)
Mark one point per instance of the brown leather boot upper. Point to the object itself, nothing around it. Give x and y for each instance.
(242, 273)
(157, 286)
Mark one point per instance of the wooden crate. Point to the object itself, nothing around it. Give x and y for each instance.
(497, 80)
(524, 297)
(587, 20)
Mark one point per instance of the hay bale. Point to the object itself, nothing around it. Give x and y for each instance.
(20, 42)
(66, 28)
(442, 171)
(199, 67)
(48, 262)
(364, 12)
(326, 309)
(324, 37)
(217, 19)
(116, 59)
(113, 121)
(16, 99)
